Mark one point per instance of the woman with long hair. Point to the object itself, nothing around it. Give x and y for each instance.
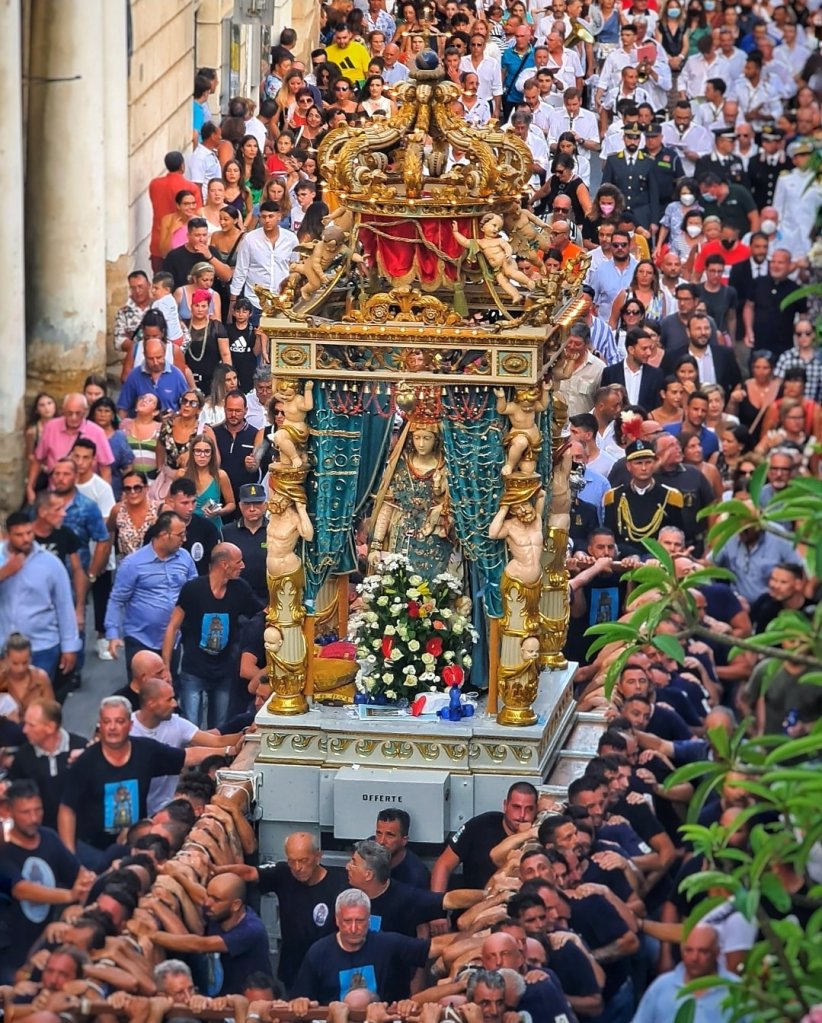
(209, 341)
(344, 97)
(717, 418)
(696, 23)
(672, 34)
(311, 228)
(733, 447)
(751, 400)
(631, 316)
(327, 76)
(373, 99)
(672, 403)
(104, 414)
(311, 132)
(693, 455)
(562, 181)
(174, 442)
(19, 677)
(174, 226)
(286, 99)
(645, 289)
(225, 243)
(43, 408)
(686, 370)
(606, 208)
(215, 201)
(278, 161)
(95, 386)
(686, 198)
(130, 519)
(794, 382)
(236, 192)
(142, 432)
(223, 380)
(215, 497)
(276, 190)
(252, 163)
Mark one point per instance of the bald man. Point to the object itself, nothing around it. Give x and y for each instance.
(156, 719)
(145, 664)
(306, 891)
(233, 931)
(700, 958)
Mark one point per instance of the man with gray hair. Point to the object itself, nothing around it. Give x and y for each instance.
(256, 413)
(173, 979)
(357, 957)
(487, 990)
(580, 371)
(396, 906)
(106, 790)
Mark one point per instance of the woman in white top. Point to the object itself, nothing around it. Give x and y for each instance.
(215, 200)
(223, 381)
(372, 100)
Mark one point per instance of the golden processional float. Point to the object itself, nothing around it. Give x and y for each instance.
(413, 348)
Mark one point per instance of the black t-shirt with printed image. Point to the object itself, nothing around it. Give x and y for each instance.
(105, 798)
(211, 626)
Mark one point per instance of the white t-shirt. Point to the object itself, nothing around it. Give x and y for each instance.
(177, 732)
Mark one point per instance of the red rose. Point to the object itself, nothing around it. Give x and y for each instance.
(434, 646)
(453, 675)
(387, 644)
(413, 609)
(438, 625)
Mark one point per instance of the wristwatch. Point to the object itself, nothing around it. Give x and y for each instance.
(92, 578)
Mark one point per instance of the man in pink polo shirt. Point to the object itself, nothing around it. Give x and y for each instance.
(58, 437)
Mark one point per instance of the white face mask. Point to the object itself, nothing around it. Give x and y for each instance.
(768, 227)
(693, 230)
(687, 199)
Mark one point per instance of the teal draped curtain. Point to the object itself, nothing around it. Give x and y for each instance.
(474, 458)
(545, 461)
(349, 452)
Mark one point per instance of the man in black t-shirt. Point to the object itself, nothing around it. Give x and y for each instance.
(391, 833)
(59, 540)
(202, 536)
(306, 892)
(786, 592)
(145, 664)
(33, 858)
(106, 788)
(471, 845)
(180, 261)
(207, 614)
(359, 958)
(396, 906)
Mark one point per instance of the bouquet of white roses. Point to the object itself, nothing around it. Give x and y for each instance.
(413, 635)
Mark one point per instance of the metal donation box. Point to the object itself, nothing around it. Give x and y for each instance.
(360, 794)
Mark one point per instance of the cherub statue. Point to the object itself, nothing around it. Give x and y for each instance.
(498, 253)
(314, 267)
(527, 232)
(523, 441)
(519, 684)
(291, 438)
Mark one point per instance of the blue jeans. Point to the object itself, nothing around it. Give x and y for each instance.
(203, 702)
(47, 660)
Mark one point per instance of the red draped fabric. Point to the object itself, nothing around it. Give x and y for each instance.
(406, 251)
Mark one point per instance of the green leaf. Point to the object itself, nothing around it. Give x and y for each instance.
(701, 910)
(669, 645)
(774, 891)
(690, 771)
(686, 1013)
(794, 749)
(757, 483)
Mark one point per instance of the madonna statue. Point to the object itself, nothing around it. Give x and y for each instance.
(411, 512)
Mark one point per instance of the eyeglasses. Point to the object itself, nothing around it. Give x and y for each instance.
(134, 489)
(194, 402)
(475, 46)
(202, 451)
(559, 209)
(341, 88)
(620, 245)
(803, 333)
(632, 312)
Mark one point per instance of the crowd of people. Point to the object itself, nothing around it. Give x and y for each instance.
(674, 143)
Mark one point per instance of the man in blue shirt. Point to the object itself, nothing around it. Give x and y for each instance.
(696, 412)
(146, 589)
(514, 61)
(153, 377)
(36, 600)
(700, 958)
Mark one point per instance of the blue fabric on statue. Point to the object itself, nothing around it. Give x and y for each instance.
(349, 450)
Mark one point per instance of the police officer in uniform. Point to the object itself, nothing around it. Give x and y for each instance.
(636, 511)
(723, 161)
(633, 174)
(667, 164)
(767, 165)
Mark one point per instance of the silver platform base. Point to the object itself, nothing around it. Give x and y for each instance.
(329, 771)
